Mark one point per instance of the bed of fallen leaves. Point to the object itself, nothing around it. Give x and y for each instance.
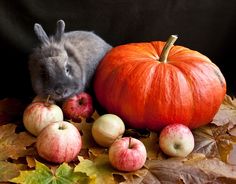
(212, 161)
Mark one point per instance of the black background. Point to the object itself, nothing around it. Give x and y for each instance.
(208, 26)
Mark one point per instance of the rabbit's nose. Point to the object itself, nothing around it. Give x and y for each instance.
(60, 90)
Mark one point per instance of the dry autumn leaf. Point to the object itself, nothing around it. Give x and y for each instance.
(151, 144)
(135, 177)
(196, 169)
(227, 113)
(14, 145)
(99, 170)
(9, 170)
(214, 141)
(85, 129)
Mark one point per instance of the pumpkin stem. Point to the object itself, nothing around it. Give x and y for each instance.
(166, 49)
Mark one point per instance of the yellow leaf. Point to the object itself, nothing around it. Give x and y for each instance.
(151, 144)
(85, 129)
(13, 145)
(9, 170)
(99, 170)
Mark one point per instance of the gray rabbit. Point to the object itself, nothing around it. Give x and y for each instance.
(64, 64)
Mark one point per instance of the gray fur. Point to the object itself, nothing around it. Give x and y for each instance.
(64, 64)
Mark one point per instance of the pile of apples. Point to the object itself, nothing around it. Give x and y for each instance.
(60, 141)
(57, 140)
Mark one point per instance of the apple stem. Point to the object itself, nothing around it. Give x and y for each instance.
(129, 142)
(61, 127)
(81, 101)
(47, 103)
(166, 49)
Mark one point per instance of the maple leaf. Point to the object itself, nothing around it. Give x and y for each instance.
(13, 145)
(151, 145)
(99, 170)
(226, 113)
(9, 170)
(85, 128)
(214, 141)
(196, 169)
(134, 177)
(43, 175)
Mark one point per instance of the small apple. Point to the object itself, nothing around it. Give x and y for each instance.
(77, 106)
(37, 115)
(59, 142)
(127, 154)
(107, 128)
(176, 140)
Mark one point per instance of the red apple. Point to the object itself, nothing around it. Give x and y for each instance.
(59, 142)
(127, 154)
(176, 140)
(107, 128)
(38, 115)
(77, 106)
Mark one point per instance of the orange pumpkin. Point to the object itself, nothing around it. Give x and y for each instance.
(151, 85)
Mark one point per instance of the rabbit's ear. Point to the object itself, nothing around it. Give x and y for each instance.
(42, 36)
(60, 30)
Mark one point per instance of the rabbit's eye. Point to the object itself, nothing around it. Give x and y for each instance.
(68, 69)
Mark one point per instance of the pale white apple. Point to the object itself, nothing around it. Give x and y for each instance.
(59, 142)
(176, 140)
(127, 154)
(77, 106)
(37, 115)
(107, 128)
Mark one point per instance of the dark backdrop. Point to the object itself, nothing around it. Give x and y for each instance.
(207, 26)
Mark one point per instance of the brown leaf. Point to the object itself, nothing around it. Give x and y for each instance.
(232, 131)
(96, 151)
(232, 156)
(205, 142)
(30, 161)
(214, 141)
(196, 169)
(14, 145)
(135, 177)
(85, 128)
(151, 145)
(9, 170)
(227, 113)
(86, 134)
